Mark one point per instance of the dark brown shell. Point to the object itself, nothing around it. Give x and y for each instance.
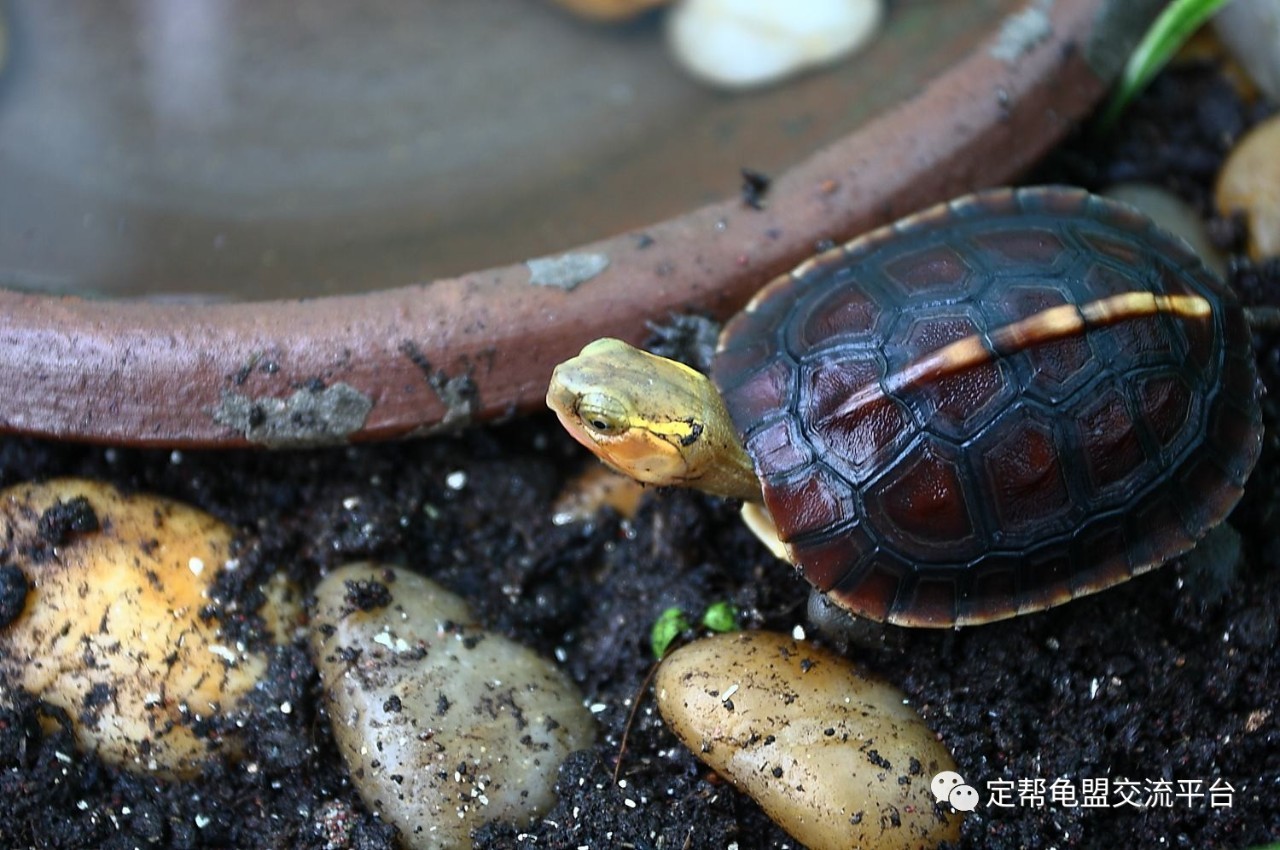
(1041, 474)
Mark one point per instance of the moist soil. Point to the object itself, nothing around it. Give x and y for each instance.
(1173, 676)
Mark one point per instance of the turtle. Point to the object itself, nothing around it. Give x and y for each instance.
(985, 409)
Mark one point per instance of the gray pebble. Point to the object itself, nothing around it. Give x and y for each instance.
(444, 726)
(1251, 30)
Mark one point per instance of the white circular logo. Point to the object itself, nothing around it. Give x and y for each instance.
(963, 798)
(943, 783)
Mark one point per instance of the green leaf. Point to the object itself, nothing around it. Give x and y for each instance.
(666, 629)
(1179, 20)
(721, 617)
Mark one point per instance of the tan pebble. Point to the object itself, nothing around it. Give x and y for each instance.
(597, 488)
(114, 628)
(1249, 183)
(443, 726)
(829, 752)
(610, 10)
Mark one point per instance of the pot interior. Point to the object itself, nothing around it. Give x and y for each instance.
(254, 149)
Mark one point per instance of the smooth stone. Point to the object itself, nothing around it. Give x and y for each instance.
(113, 626)
(743, 44)
(1174, 215)
(443, 726)
(597, 487)
(830, 753)
(1251, 31)
(1249, 184)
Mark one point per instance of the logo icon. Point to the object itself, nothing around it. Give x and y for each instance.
(950, 787)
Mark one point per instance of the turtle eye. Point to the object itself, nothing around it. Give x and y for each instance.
(603, 414)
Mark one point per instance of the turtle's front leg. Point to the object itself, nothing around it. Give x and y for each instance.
(761, 525)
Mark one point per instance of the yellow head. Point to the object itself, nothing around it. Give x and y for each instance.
(651, 418)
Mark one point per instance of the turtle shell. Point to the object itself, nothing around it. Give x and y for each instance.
(1050, 466)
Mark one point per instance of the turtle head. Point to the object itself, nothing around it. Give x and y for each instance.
(651, 418)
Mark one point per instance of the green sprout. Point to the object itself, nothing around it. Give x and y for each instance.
(720, 617)
(1170, 31)
(669, 625)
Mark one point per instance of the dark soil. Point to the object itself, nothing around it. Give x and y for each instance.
(1169, 677)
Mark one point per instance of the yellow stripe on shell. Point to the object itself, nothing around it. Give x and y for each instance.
(1039, 328)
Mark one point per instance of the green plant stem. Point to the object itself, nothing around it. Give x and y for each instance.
(1171, 29)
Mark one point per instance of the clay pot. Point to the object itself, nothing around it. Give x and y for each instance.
(399, 360)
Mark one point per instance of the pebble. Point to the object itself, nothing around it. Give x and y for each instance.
(744, 44)
(1174, 215)
(610, 10)
(443, 726)
(1251, 31)
(108, 596)
(832, 755)
(1249, 184)
(597, 487)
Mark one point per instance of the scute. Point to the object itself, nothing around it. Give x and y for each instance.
(845, 311)
(933, 268)
(858, 444)
(1016, 483)
(1056, 369)
(816, 500)
(1022, 463)
(1169, 406)
(964, 404)
(1114, 459)
(923, 504)
(1013, 249)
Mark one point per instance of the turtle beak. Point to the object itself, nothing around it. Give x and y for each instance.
(563, 399)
